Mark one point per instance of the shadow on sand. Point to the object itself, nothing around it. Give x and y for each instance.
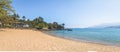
(1, 30)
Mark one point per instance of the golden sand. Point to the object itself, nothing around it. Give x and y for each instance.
(31, 40)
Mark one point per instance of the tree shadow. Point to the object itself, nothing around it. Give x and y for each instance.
(1, 30)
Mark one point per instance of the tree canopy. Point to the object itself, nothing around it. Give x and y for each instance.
(9, 18)
(5, 11)
(5, 8)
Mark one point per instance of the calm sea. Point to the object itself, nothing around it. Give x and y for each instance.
(107, 36)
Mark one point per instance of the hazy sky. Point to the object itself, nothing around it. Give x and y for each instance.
(74, 13)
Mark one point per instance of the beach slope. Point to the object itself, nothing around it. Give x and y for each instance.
(31, 40)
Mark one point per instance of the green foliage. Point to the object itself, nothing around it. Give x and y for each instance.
(5, 8)
(39, 23)
(10, 19)
(7, 21)
(55, 26)
(15, 17)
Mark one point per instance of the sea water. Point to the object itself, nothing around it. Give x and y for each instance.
(107, 36)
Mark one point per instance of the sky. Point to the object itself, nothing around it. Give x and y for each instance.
(74, 13)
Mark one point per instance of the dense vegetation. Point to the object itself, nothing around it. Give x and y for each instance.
(9, 19)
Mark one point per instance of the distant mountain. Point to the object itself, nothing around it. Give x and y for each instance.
(113, 26)
(107, 25)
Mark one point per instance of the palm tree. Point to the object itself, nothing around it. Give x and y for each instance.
(63, 25)
(15, 17)
(23, 18)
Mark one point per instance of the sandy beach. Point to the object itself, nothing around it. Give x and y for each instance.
(31, 40)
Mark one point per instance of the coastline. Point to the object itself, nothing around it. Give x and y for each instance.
(25, 39)
(79, 40)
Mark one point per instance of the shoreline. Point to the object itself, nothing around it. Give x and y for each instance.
(26, 39)
(79, 40)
